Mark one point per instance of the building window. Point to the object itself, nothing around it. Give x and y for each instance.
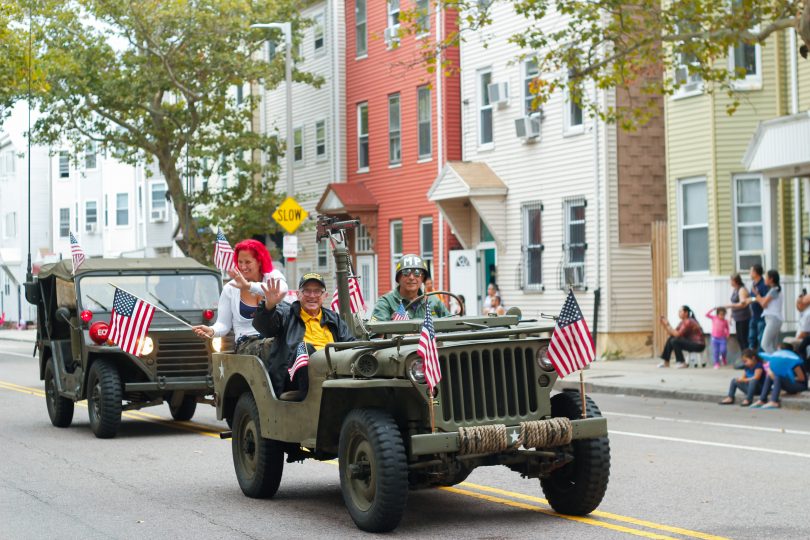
(90, 156)
(64, 222)
(394, 132)
(396, 245)
(10, 225)
(360, 31)
(749, 221)
(532, 247)
(362, 136)
(6, 164)
(318, 31)
(575, 246)
(157, 201)
(323, 254)
(362, 240)
(240, 94)
(687, 80)
(320, 140)
(90, 216)
(273, 151)
(64, 165)
(426, 240)
(424, 118)
(6, 285)
(122, 209)
(484, 108)
(530, 73)
(694, 224)
(745, 60)
(106, 211)
(393, 13)
(423, 17)
(76, 217)
(271, 50)
(298, 145)
(573, 114)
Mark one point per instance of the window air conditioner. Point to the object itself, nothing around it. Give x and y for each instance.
(391, 35)
(528, 127)
(498, 93)
(90, 228)
(159, 216)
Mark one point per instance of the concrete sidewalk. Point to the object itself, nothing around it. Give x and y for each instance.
(643, 378)
(629, 377)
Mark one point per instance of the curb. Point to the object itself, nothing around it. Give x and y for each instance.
(789, 403)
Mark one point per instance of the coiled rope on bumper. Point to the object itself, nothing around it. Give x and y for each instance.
(546, 433)
(535, 434)
(482, 439)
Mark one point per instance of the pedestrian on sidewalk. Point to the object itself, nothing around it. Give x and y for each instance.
(771, 312)
(740, 310)
(785, 371)
(688, 336)
(750, 382)
(757, 324)
(720, 333)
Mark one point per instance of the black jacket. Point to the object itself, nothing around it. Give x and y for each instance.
(284, 323)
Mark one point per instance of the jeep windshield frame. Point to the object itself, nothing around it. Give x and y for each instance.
(172, 291)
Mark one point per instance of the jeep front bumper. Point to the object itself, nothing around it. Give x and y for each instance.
(174, 383)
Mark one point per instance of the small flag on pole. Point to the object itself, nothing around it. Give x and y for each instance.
(400, 314)
(130, 321)
(427, 350)
(571, 346)
(301, 359)
(76, 252)
(356, 301)
(223, 253)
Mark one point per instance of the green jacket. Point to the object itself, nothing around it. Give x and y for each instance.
(388, 304)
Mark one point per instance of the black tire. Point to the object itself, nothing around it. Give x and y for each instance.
(577, 488)
(60, 409)
(373, 470)
(184, 411)
(258, 462)
(104, 397)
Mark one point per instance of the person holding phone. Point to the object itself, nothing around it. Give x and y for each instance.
(687, 336)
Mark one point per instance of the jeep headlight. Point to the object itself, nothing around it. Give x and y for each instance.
(367, 365)
(542, 359)
(416, 370)
(216, 344)
(147, 346)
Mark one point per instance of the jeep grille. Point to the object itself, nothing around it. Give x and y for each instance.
(182, 358)
(487, 383)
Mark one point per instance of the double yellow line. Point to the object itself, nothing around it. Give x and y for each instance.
(605, 520)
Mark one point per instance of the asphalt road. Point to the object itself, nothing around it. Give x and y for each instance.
(680, 470)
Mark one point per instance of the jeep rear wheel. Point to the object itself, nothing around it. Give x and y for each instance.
(578, 487)
(104, 399)
(258, 462)
(60, 409)
(373, 470)
(185, 410)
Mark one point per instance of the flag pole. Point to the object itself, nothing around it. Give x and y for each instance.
(432, 412)
(181, 321)
(582, 392)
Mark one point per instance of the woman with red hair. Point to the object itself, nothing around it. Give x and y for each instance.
(240, 298)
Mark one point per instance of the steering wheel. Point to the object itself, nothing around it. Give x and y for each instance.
(432, 293)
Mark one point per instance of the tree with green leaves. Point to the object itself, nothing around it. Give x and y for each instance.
(153, 82)
(627, 43)
(14, 54)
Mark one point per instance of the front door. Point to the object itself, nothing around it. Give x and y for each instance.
(463, 278)
(367, 271)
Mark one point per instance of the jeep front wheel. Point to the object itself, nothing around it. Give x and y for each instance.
(258, 462)
(60, 409)
(373, 469)
(185, 410)
(104, 399)
(578, 487)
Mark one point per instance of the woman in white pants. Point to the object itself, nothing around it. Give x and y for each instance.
(771, 311)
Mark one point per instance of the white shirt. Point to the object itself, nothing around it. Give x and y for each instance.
(228, 315)
(774, 307)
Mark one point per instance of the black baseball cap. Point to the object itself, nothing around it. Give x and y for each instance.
(311, 276)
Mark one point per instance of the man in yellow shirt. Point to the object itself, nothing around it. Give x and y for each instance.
(304, 321)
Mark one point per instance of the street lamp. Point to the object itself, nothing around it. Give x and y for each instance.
(286, 29)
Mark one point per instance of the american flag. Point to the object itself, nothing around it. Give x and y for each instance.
(130, 322)
(571, 347)
(356, 301)
(223, 253)
(76, 252)
(301, 359)
(427, 350)
(400, 314)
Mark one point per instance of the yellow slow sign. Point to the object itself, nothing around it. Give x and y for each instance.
(290, 215)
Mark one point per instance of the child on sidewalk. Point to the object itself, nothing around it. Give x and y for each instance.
(750, 382)
(720, 333)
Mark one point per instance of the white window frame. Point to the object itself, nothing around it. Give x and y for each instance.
(298, 146)
(749, 82)
(526, 246)
(163, 203)
(106, 210)
(86, 215)
(362, 240)
(64, 222)
(395, 256)
(319, 32)
(363, 137)
(682, 257)
(322, 253)
(528, 77)
(419, 123)
(119, 209)
(13, 232)
(394, 129)
(392, 13)
(64, 165)
(422, 17)
(481, 96)
(569, 127)
(360, 28)
(694, 83)
(764, 223)
(91, 151)
(426, 255)
(568, 204)
(7, 164)
(320, 141)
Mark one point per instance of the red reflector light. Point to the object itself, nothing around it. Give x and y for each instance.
(86, 315)
(208, 314)
(99, 331)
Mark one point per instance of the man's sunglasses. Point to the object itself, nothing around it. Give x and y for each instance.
(415, 271)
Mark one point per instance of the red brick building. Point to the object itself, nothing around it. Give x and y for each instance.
(402, 124)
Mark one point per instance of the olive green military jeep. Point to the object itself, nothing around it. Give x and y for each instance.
(369, 406)
(77, 362)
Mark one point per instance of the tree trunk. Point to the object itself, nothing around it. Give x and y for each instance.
(191, 244)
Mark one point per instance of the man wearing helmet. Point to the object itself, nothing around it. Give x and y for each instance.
(411, 272)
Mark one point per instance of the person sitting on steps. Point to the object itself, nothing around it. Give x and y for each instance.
(688, 336)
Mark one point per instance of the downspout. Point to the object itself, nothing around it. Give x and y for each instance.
(440, 131)
(337, 175)
(794, 108)
(598, 191)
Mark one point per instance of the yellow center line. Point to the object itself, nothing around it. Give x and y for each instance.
(208, 431)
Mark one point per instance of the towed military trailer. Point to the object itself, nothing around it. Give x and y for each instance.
(368, 405)
(77, 362)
